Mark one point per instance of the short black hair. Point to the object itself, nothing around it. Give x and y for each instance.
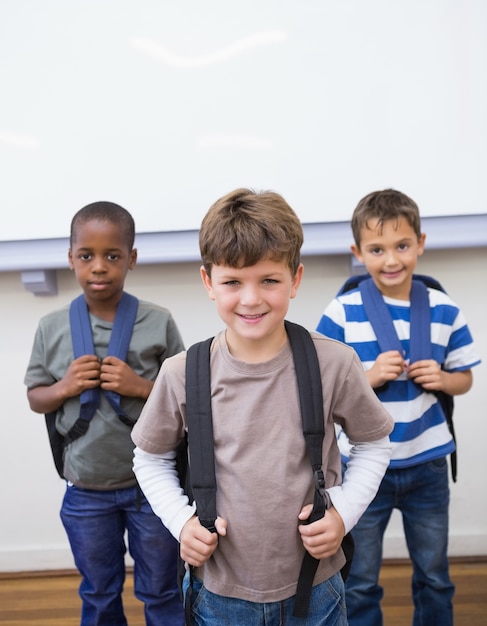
(105, 212)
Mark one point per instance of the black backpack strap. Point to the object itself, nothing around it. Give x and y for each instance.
(198, 478)
(311, 402)
(200, 432)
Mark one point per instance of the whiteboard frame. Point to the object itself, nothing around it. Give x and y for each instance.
(324, 238)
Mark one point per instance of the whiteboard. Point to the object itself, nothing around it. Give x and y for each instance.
(165, 106)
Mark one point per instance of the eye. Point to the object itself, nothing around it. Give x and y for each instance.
(376, 251)
(113, 257)
(403, 246)
(85, 256)
(231, 283)
(270, 281)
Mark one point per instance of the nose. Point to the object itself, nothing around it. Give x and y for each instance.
(390, 257)
(250, 296)
(98, 265)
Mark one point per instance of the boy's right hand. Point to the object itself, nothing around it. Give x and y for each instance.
(83, 373)
(197, 542)
(388, 366)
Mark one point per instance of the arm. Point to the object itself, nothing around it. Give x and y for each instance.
(158, 479)
(365, 470)
(83, 373)
(367, 465)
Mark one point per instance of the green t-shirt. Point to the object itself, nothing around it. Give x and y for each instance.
(102, 458)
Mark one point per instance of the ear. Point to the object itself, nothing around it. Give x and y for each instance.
(421, 243)
(70, 259)
(297, 278)
(207, 282)
(356, 253)
(133, 259)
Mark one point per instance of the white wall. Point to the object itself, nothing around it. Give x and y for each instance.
(31, 535)
(322, 100)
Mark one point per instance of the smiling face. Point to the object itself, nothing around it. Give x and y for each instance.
(253, 302)
(101, 258)
(390, 252)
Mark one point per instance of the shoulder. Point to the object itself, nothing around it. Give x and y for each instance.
(171, 378)
(329, 349)
(440, 298)
(147, 308)
(154, 317)
(54, 319)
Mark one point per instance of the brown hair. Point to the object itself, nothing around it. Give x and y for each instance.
(245, 226)
(385, 205)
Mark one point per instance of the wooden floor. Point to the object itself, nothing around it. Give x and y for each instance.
(52, 600)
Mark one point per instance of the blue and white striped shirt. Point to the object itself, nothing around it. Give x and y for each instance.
(420, 433)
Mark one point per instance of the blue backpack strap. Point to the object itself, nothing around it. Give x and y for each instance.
(380, 318)
(119, 345)
(420, 323)
(82, 340)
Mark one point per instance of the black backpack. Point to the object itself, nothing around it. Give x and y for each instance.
(200, 483)
(420, 338)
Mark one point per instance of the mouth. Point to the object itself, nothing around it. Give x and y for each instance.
(98, 285)
(251, 318)
(390, 275)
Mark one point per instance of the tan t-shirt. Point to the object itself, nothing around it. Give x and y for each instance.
(263, 473)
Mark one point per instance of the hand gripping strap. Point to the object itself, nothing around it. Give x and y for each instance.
(82, 340)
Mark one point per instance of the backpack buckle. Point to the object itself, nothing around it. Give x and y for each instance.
(319, 479)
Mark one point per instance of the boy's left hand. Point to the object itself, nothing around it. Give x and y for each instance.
(322, 538)
(426, 373)
(116, 375)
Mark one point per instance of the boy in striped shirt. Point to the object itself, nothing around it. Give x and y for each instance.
(388, 240)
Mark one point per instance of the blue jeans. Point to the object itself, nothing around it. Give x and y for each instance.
(96, 522)
(326, 608)
(422, 494)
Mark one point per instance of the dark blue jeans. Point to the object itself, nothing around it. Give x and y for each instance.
(96, 522)
(326, 608)
(421, 493)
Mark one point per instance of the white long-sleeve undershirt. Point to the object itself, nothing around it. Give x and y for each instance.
(158, 479)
